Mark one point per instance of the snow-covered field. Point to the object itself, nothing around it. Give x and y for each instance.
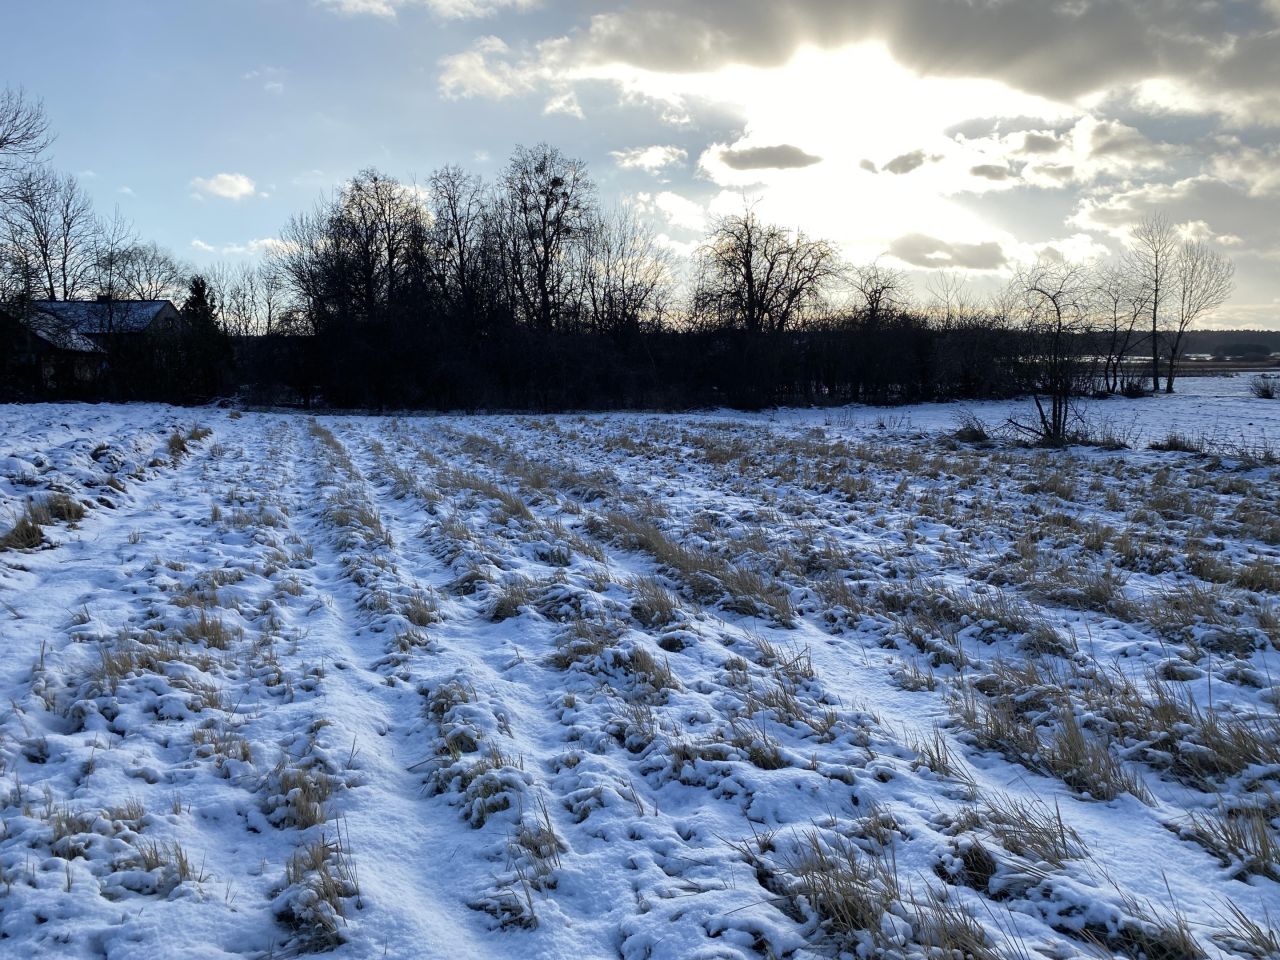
(797, 684)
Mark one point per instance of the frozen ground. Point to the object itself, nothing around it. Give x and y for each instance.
(798, 684)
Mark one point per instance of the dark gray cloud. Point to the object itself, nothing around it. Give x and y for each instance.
(906, 162)
(782, 156)
(1226, 208)
(921, 250)
(1062, 49)
(1040, 143)
(990, 171)
(1112, 139)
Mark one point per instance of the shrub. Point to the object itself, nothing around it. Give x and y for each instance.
(1178, 442)
(969, 429)
(1264, 387)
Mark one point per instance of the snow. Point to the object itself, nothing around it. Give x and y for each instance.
(630, 685)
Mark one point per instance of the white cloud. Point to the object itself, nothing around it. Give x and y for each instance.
(125, 191)
(1256, 170)
(312, 179)
(272, 79)
(253, 247)
(650, 159)
(229, 186)
(470, 9)
(446, 9)
(680, 211)
(484, 71)
(250, 248)
(373, 8)
(564, 101)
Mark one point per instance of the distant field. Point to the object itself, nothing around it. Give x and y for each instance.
(799, 684)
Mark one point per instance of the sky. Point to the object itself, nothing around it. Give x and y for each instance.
(961, 135)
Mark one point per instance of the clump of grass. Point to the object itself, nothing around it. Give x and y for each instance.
(210, 630)
(221, 744)
(751, 594)
(995, 725)
(934, 752)
(1085, 763)
(514, 594)
(1029, 828)
(64, 507)
(945, 925)
(1243, 935)
(324, 875)
(299, 794)
(536, 840)
(177, 446)
(583, 643)
(850, 891)
(1148, 933)
(1183, 608)
(1260, 575)
(652, 604)
(489, 783)
(27, 532)
(1242, 839)
(1175, 441)
(420, 609)
(642, 665)
(761, 747)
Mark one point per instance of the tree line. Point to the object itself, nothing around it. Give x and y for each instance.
(527, 292)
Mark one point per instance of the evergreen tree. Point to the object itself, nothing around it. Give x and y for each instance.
(206, 349)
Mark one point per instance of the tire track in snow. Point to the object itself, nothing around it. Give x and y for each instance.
(404, 849)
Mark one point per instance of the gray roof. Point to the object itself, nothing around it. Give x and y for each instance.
(59, 334)
(97, 316)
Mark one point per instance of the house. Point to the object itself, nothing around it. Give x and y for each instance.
(106, 318)
(45, 355)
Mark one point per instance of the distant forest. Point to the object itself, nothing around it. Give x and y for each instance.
(525, 292)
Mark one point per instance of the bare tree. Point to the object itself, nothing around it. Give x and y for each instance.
(304, 259)
(1203, 281)
(379, 221)
(24, 135)
(150, 272)
(113, 239)
(271, 297)
(52, 218)
(1151, 260)
(627, 275)
(1122, 302)
(546, 206)
(1058, 322)
(237, 295)
(458, 230)
(951, 301)
(881, 289)
(348, 260)
(759, 277)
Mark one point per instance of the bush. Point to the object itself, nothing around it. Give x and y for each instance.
(1134, 387)
(1178, 442)
(1264, 387)
(969, 429)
